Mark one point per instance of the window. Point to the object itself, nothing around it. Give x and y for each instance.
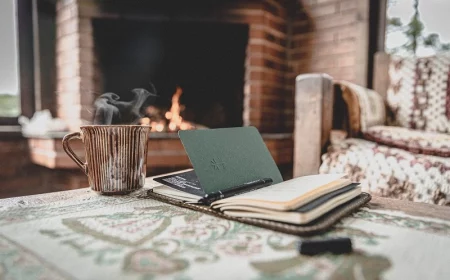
(9, 81)
(418, 27)
(17, 59)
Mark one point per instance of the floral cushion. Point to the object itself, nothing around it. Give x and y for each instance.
(419, 92)
(391, 172)
(416, 141)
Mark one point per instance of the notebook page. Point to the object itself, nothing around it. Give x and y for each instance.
(290, 189)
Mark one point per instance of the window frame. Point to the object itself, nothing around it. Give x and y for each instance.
(24, 10)
(377, 34)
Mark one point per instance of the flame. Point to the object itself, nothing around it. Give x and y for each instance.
(173, 118)
(159, 126)
(173, 115)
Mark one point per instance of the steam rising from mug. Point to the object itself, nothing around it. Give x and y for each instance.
(110, 110)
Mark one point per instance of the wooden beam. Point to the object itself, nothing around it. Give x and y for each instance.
(313, 121)
(381, 73)
(362, 42)
(377, 29)
(37, 57)
(47, 55)
(382, 21)
(409, 207)
(26, 61)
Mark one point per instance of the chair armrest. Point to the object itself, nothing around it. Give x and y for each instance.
(313, 121)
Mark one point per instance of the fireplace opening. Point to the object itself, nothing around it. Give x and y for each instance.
(202, 64)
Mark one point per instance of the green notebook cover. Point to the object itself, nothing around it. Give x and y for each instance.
(227, 157)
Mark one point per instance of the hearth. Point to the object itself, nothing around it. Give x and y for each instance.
(225, 63)
(231, 58)
(197, 69)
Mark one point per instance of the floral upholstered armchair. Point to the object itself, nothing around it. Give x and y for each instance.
(395, 140)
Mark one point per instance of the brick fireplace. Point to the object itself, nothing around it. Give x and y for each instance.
(230, 57)
(202, 63)
(285, 38)
(265, 95)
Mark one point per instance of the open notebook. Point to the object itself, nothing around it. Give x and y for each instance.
(226, 158)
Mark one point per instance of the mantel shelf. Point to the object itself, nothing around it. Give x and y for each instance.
(164, 150)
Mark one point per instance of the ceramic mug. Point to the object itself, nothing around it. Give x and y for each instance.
(116, 156)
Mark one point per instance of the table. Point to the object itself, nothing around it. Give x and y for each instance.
(82, 235)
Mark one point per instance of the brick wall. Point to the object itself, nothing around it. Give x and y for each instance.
(331, 36)
(286, 38)
(328, 36)
(76, 86)
(265, 89)
(19, 176)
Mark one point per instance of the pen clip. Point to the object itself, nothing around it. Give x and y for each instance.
(236, 190)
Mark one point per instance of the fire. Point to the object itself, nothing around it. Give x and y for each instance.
(173, 120)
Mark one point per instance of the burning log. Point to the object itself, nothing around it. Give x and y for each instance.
(171, 120)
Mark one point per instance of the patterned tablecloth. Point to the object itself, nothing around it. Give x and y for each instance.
(82, 235)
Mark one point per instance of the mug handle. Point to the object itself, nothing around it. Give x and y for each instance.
(69, 151)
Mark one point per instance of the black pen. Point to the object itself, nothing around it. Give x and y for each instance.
(246, 187)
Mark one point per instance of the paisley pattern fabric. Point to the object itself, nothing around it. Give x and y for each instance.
(82, 235)
(391, 172)
(419, 92)
(415, 141)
